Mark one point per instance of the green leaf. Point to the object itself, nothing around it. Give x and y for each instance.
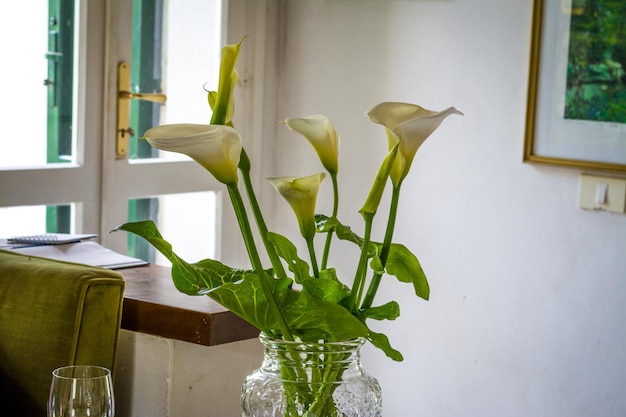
(376, 265)
(401, 263)
(246, 299)
(325, 224)
(406, 267)
(191, 279)
(218, 273)
(382, 342)
(307, 316)
(389, 311)
(327, 287)
(287, 250)
(311, 318)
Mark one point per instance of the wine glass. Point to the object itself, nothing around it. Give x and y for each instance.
(81, 391)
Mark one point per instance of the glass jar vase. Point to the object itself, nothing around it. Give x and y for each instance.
(322, 379)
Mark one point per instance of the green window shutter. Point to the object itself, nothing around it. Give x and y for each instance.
(145, 71)
(60, 57)
(145, 77)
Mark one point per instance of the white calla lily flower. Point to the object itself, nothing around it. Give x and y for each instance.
(409, 124)
(321, 134)
(301, 194)
(216, 147)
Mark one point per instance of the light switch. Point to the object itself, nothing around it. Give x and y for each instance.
(602, 193)
(601, 188)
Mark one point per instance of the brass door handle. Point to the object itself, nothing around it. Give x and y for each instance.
(124, 95)
(155, 98)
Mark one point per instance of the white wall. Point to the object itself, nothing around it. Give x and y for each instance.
(158, 377)
(526, 316)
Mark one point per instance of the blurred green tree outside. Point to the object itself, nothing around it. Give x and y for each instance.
(596, 70)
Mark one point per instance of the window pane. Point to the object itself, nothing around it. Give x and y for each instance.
(165, 60)
(38, 80)
(34, 220)
(187, 221)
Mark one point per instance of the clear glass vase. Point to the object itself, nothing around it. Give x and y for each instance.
(312, 380)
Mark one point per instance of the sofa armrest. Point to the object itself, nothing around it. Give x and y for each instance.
(53, 314)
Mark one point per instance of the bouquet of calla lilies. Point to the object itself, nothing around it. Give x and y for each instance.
(295, 299)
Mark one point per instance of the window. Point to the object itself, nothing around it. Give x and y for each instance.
(61, 172)
(43, 154)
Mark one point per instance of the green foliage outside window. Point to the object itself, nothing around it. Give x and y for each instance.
(596, 70)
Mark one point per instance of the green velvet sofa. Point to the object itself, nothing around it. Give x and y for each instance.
(52, 314)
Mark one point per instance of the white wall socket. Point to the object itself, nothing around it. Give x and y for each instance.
(602, 193)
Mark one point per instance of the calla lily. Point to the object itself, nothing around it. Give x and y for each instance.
(301, 194)
(265, 297)
(409, 124)
(216, 147)
(230, 111)
(222, 102)
(376, 192)
(320, 133)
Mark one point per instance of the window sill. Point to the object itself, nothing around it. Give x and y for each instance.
(153, 305)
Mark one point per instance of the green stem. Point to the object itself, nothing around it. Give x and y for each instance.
(329, 236)
(279, 270)
(244, 225)
(359, 279)
(324, 404)
(311, 248)
(384, 252)
(311, 393)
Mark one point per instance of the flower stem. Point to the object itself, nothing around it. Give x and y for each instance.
(311, 248)
(359, 278)
(244, 225)
(329, 236)
(384, 252)
(279, 270)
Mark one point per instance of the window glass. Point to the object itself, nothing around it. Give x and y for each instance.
(186, 220)
(38, 84)
(167, 59)
(34, 220)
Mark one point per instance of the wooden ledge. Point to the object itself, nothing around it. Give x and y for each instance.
(154, 306)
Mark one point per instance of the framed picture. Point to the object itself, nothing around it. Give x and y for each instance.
(576, 111)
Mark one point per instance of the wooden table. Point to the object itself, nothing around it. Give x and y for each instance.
(153, 305)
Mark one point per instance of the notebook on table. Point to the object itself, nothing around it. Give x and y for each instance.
(71, 248)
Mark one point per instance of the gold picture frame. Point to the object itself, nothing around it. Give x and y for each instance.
(552, 137)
